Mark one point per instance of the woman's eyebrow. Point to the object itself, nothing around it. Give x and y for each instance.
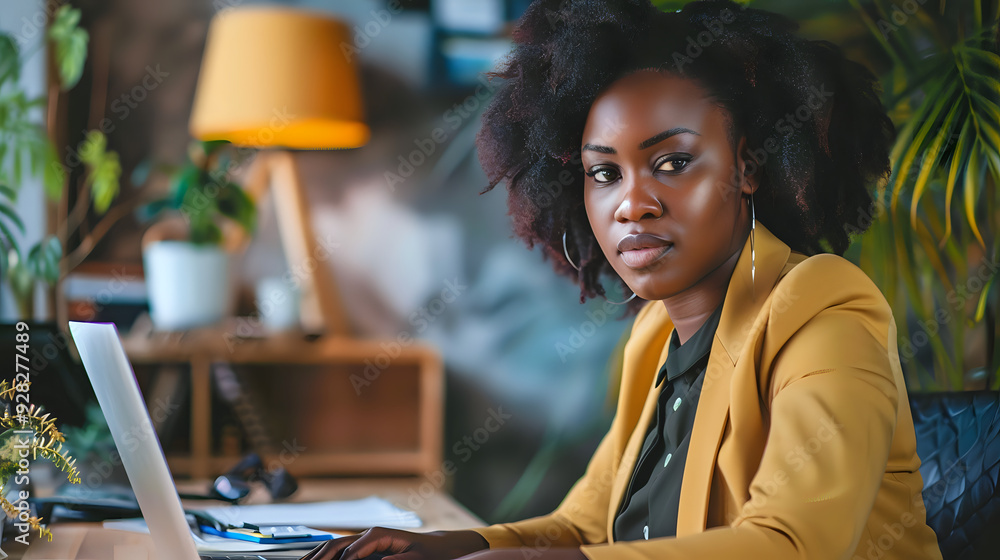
(664, 135)
(602, 149)
(645, 143)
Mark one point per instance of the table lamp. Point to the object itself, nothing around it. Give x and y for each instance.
(280, 78)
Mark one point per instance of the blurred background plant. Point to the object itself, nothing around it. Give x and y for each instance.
(933, 246)
(203, 191)
(26, 148)
(92, 442)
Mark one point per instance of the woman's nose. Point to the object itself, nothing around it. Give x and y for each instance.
(639, 201)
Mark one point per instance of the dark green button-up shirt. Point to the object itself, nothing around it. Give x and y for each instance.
(649, 508)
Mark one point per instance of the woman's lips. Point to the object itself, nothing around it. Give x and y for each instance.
(641, 258)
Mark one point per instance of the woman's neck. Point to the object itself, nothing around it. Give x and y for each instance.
(690, 309)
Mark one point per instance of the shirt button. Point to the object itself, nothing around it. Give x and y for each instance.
(677, 403)
(645, 532)
(669, 455)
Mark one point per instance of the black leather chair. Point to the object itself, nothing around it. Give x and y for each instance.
(958, 440)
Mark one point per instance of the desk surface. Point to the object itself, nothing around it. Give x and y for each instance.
(88, 541)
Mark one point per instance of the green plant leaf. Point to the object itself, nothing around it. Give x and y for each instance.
(19, 277)
(959, 159)
(93, 147)
(972, 180)
(4, 265)
(10, 63)
(104, 170)
(105, 183)
(930, 160)
(8, 240)
(183, 180)
(43, 260)
(205, 232)
(983, 296)
(911, 139)
(11, 214)
(236, 205)
(70, 45)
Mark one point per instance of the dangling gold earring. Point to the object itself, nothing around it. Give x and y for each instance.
(753, 254)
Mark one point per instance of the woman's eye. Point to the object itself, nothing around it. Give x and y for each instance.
(673, 164)
(603, 174)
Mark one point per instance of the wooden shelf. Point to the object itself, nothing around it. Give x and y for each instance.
(411, 394)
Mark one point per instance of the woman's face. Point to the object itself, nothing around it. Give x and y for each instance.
(660, 189)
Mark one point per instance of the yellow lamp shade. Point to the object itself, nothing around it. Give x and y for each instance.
(276, 76)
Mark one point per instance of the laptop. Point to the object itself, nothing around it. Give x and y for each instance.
(118, 394)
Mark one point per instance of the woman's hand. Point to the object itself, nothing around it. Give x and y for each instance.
(438, 545)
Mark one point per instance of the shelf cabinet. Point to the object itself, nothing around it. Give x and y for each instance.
(329, 406)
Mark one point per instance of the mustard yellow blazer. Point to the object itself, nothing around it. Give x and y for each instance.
(802, 445)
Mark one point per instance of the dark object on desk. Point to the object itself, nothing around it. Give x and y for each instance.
(958, 441)
(61, 508)
(235, 484)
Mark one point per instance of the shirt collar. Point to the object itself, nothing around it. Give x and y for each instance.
(682, 357)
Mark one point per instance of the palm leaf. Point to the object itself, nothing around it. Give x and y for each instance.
(931, 157)
(910, 139)
(973, 177)
(959, 160)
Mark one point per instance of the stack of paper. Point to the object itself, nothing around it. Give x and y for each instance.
(354, 514)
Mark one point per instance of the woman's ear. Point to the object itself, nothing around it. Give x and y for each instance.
(747, 168)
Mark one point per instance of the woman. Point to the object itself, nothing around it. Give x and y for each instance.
(762, 411)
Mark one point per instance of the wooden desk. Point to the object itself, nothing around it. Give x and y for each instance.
(90, 541)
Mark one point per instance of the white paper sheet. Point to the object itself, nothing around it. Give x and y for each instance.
(353, 514)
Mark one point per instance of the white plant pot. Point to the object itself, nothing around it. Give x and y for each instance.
(187, 284)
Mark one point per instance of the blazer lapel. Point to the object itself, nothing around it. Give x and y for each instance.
(742, 304)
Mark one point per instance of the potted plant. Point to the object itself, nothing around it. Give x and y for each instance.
(185, 264)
